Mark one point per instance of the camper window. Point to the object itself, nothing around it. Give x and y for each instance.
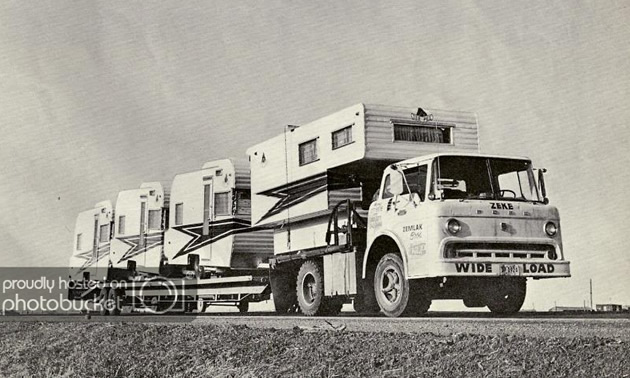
(121, 225)
(308, 152)
(104, 233)
(221, 204)
(79, 237)
(154, 219)
(421, 133)
(342, 137)
(179, 214)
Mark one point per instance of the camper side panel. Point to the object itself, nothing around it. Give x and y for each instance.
(289, 171)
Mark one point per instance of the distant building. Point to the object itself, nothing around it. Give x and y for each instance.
(569, 309)
(609, 307)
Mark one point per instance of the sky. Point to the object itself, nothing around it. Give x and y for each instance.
(99, 96)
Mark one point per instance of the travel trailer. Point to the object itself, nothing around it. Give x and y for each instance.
(91, 248)
(210, 216)
(138, 242)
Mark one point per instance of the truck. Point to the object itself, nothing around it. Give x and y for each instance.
(388, 208)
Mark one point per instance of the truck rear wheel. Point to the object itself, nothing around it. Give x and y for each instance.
(390, 286)
(507, 296)
(310, 288)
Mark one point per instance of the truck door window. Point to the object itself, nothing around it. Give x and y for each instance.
(386, 188)
(417, 180)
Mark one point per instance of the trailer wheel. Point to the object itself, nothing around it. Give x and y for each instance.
(115, 301)
(390, 286)
(507, 296)
(103, 301)
(310, 288)
(243, 307)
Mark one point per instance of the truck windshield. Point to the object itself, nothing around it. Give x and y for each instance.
(468, 177)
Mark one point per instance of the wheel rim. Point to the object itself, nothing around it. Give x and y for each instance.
(309, 288)
(391, 285)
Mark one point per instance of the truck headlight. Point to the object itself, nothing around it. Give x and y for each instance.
(453, 226)
(551, 229)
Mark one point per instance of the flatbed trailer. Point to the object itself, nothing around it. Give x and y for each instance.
(160, 295)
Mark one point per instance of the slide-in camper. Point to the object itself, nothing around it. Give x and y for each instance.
(301, 174)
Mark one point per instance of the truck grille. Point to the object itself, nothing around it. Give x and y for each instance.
(500, 251)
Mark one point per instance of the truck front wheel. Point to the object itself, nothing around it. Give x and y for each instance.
(390, 286)
(507, 296)
(310, 288)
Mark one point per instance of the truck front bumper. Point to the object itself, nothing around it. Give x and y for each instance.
(480, 268)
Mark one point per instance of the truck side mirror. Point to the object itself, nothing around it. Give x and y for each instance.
(397, 184)
(541, 183)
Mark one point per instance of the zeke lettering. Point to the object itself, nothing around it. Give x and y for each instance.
(501, 206)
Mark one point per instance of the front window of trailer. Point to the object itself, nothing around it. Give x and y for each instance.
(469, 177)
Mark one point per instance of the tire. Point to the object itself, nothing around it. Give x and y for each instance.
(115, 301)
(283, 291)
(508, 296)
(391, 288)
(243, 307)
(474, 301)
(310, 289)
(103, 299)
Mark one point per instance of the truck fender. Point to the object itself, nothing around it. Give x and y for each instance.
(391, 236)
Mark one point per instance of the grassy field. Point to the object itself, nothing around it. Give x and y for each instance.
(87, 349)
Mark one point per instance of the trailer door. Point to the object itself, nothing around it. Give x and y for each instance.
(143, 230)
(208, 211)
(143, 210)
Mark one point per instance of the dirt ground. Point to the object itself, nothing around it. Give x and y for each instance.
(91, 349)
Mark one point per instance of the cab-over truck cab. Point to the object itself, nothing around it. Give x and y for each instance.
(460, 226)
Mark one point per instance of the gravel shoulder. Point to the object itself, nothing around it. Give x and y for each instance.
(136, 349)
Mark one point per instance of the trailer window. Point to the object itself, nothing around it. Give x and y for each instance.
(121, 225)
(424, 134)
(243, 202)
(179, 214)
(155, 221)
(79, 237)
(342, 137)
(221, 204)
(308, 152)
(104, 233)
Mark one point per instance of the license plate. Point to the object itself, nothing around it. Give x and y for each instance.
(510, 270)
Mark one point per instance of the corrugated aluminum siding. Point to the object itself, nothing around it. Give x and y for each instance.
(379, 134)
(243, 176)
(258, 242)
